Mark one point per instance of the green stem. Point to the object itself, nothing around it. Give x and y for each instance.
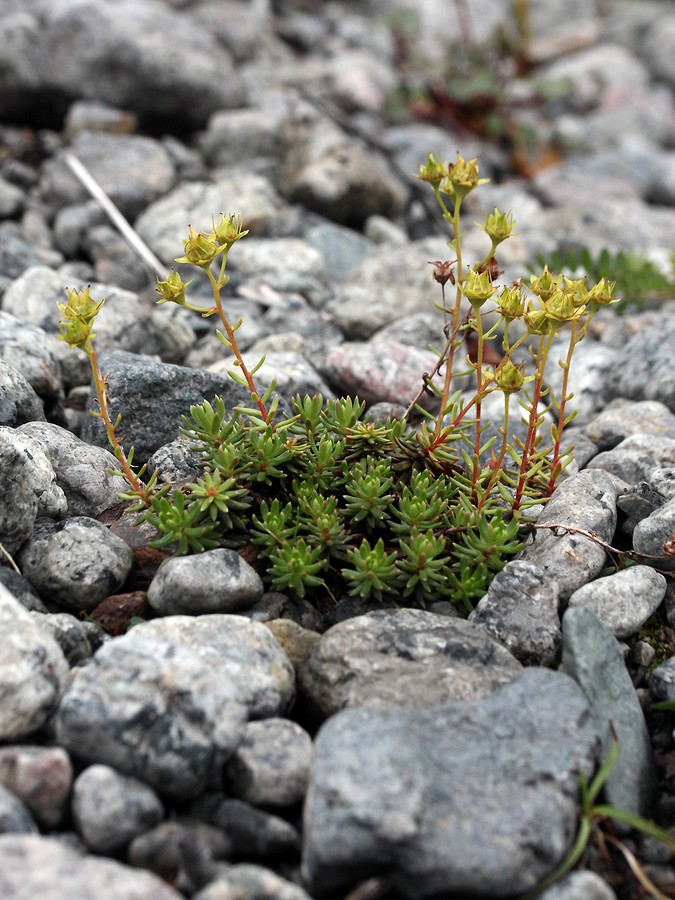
(232, 339)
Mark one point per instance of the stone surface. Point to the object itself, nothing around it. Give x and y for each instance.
(651, 534)
(624, 601)
(41, 777)
(592, 656)
(635, 458)
(14, 816)
(246, 880)
(33, 671)
(405, 657)
(217, 581)
(18, 401)
(387, 779)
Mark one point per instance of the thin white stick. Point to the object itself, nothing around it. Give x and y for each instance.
(116, 217)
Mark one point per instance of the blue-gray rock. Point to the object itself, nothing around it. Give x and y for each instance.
(638, 503)
(110, 810)
(473, 799)
(662, 480)
(662, 681)
(342, 249)
(82, 471)
(22, 590)
(651, 534)
(75, 563)
(622, 418)
(18, 401)
(14, 816)
(33, 671)
(402, 657)
(520, 610)
(175, 845)
(31, 865)
(153, 709)
(152, 397)
(592, 656)
(41, 777)
(243, 653)
(217, 581)
(271, 765)
(646, 371)
(624, 601)
(20, 503)
(635, 458)
(33, 353)
(585, 501)
(18, 253)
(256, 835)
(69, 632)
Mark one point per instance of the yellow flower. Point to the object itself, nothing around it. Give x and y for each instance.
(508, 377)
(200, 249)
(498, 226)
(173, 289)
(462, 178)
(227, 231)
(477, 288)
(602, 293)
(80, 305)
(545, 284)
(511, 303)
(560, 307)
(433, 171)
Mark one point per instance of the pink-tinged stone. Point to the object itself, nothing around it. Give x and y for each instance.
(39, 776)
(378, 371)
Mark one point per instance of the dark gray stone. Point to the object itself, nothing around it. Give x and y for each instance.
(256, 835)
(110, 810)
(520, 610)
(402, 657)
(75, 563)
(623, 418)
(14, 817)
(152, 709)
(217, 581)
(70, 634)
(593, 657)
(635, 458)
(472, 799)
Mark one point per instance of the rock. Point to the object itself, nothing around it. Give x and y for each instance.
(624, 601)
(271, 766)
(662, 681)
(18, 253)
(33, 354)
(152, 397)
(152, 709)
(659, 42)
(33, 671)
(70, 634)
(449, 783)
(520, 610)
(218, 581)
(646, 372)
(110, 809)
(18, 401)
(653, 533)
(41, 777)
(171, 847)
(82, 471)
(19, 509)
(133, 170)
(243, 653)
(14, 817)
(378, 371)
(75, 563)
(51, 500)
(585, 501)
(636, 457)
(579, 885)
(31, 865)
(592, 656)
(256, 835)
(246, 880)
(402, 657)
(590, 367)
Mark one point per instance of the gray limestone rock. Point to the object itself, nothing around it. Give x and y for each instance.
(646, 371)
(635, 458)
(153, 709)
(622, 418)
(75, 563)
(520, 610)
(217, 581)
(473, 799)
(18, 401)
(592, 656)
(81, 469)
(585, 501)
(271, 766)
(402, 657)
(110, 810)
(20, 503)
(624, 601)
(243, 653)
(51, 500)
(651, 534)
(31, 865)
(33, 671)
(41, 777)
(33, 353)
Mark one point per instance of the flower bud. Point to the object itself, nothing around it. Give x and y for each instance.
(75, 332)
(462, 178)
(508, 377)
(227, 231)
(560, 308)
(433, 171)
(511, 303)
(498, 226)
(602, 293)
(477, 288)
(80, 305)
(200, 249)
(173, 289)
(545, 284)
(537, 321)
